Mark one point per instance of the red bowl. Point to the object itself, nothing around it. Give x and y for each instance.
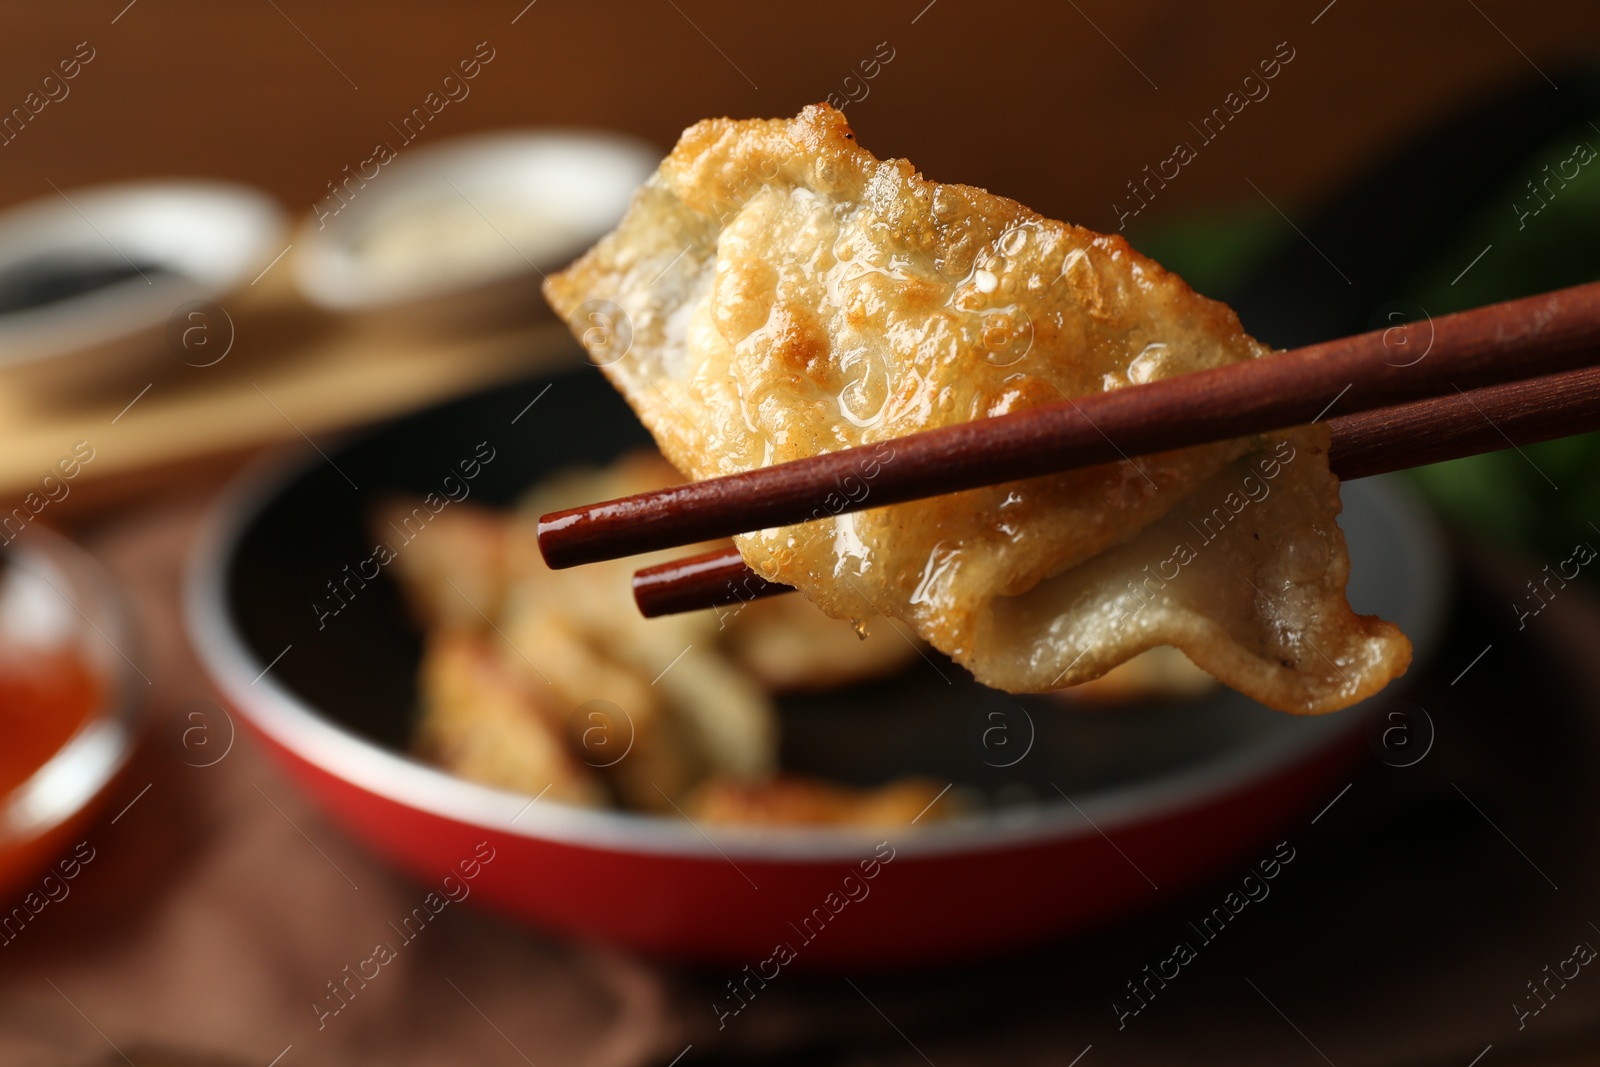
(1154, 797)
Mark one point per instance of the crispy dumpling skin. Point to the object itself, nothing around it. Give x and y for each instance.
(483, 722)
(1158, 674)
(786, 293)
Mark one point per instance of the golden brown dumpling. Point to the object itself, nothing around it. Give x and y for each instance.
(785, 293)
(792, 800)
(484, 722)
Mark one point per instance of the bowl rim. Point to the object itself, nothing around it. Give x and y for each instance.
(318, 740)
(103, 744)
(328, 275)
(58, 330)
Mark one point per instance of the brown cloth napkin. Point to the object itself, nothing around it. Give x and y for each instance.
(1419, 904)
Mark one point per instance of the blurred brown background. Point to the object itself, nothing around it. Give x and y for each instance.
(1057, 105)
(1029, 100)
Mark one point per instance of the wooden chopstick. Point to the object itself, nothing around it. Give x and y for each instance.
(1502, 342)
(1373, 442)
(708, 580)
(1465, 423)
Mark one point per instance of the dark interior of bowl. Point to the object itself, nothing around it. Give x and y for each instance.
(357, 663)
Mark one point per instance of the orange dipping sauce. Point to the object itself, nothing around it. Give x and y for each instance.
(45, 696)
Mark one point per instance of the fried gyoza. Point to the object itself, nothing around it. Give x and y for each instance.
(532, 677)
(791, 800)
(786, 294)
(791, 646)
(453, 565)
(485, 723)
(690, 713)
(785, 644)
(1160, 673)
(643, 707)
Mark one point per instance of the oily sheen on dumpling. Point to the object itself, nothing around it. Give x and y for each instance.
(776, 291)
